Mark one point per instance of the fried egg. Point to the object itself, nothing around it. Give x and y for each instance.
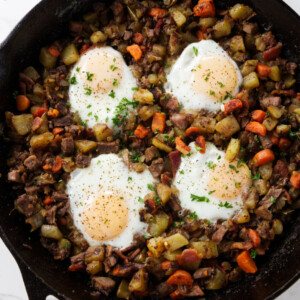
(99, 81)
(203, 77)
(210, 185)
(105, 200)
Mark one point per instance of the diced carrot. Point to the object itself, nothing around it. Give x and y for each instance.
(22, 102)
(200, 35)
(40, 111)
(143, 48)
(76, 268)
(166, 178)
(57, 130)
(116, 271)
(275, 140)
(84, 48)
(254, 237)
(180, 277)
(63, 221)
(200, 142)
(138, 38)
(205, 8)
(57, 139)
(193, 132)
(158, 123)
(295, 180)
(262, 157)
(257, 128)
(181, 146)
(176, 295)
(47, 167)
(53, 113)
(246, 263)
(157, 13)
(284, 143)
(232, 105)
(141, 131)
(37, 123)
(135, 51)
(263, 70)
(188, 256)
(57, 164)
(258, 115)
(47, 200)
(151, 206)
(52, 50)
(165, 265)
(272, 53)
(149, 253)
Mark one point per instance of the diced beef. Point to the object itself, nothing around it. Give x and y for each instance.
(241, 245)
(126, 270)
(78, 259)
(63, 207)
(272, 53)
(202, 273)
(26, 205)
(180, 121)
(59, 197)
(33, 189)
(50, 215)
(127, 35)
(273, 194)
(151, 153)
(263, 213)
(291, 67)
(269, 39)
(67, 146)
(195, 291)
(64, 121)
(250, 28)
(83, 161)
(156, 167)
(265, 141)
(117, 8)
(162, 290)
(280, 171)
(126, 157)
(32, 163)
(270, 100)
(174, 204)
(219, 234)
(16, 176)
(27, 80)
(171, 103)
(62, 108)
(108, 147)
(175, 158)
(103, 284)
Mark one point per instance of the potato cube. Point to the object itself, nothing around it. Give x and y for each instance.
(237, 44)
(46, 59)
(102, 132)
(275, 112)
(251, 81)
(138, 282)
(275, 73)
(42, 140)
(175, 241)
(249, 66)
(22, 123)
(208, 249)
(159, 224)
(70, 55)
(85, 146)
(143, 96)
(222, 28)
(178, 17)
(164, 192)
(228, 126)
(242, 216)
(240, 12)
(98, 36)
(270, 123)
(156, 246)
(233, 149)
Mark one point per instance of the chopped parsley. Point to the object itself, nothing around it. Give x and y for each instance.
(150, 187)
(237, 184)
(121, 111)
(141, 199)
(77, 69)
(253, 253)
(211, 192)
(115, 82)
(129, 179)
(181, 172)
(60, 181)
(136, 157)
(212, 93)
(98, 162)
(199, 198)
(193, 70)
(72, 80)
(89, 106)
(147, 237)
(157, 200)
(273, 200)
(96, 117)
(83, 123)
(105, 221)
(233, 168)
(81, 203)
(195, 51)
(68, 104)
(113, 68)
(221, 84)
(135, 88)
(211, 165)
(192, 216)
(240, 163)
(106, 119)
(112, 94)
(88, 91)
(207, 76)
(226, 204)
(15, 94)
(256, 176)
(198, 148)
(89, 114)
(89, 76)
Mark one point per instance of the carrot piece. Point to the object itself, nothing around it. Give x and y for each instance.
(40, 111)
(263, 70)
(166, 178)
(181, 146)
(138, 38)
(284, 143)
(57, 164)
(158, 123)
(37, 123)
(275, 140)
(246, 263)
(47, 167)
(165, 265)
(272, 53)
(200, 35)
(205, 8)
(188, 256)
(295, 180)
(57, 130)
(258, 115)
(76, 268)
(157, 13)
(254, 237)
(180, 277)
(63, 221)
(149, 253)
(47, 200)
(135, 51)
(22, 102)
(53, 113)
(257, 128)
(232, 105)
(52, 50)
(141, 131)
(176, 295)
(200, 142)
(262, 157)
(193, 132)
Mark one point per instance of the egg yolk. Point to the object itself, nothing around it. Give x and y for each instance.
(101, 71)
(214, 77)
(227, 180)
(106, 217)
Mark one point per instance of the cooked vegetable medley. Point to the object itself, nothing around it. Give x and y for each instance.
(175, 91)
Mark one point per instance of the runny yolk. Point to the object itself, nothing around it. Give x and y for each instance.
(100, 70)
(215, 77)
(106, 217)
(227, 180)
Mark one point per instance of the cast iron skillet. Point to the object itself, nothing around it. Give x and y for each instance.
(42, 275)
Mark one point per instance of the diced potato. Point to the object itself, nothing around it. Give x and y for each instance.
(146, 112)
(159, 49)
(228, 126)
(270, 123)
(38, 90)
(46, 59)
(175, 241)
(44, 127)
(85, 146)
(51, 232)
(141, 257)
(94, 254)
(289, 81)
(240, 12)
(164, 192)
(178, 17)
(160, 145)
(98, 36)
(217, 281)
(275, 73)
(222, 28)
(172, 255)
(139, 167)
(70, 55)
(275, 112)
(277, 227)
(208, 249)
(283, 129)
(111, 30)
(260, 44)
(152, 78)
(175, 42)
(102, 132)
(207, 22)
(94, 267)
(251, 199)
(249, 66)
(69, 165)
(138, 282)
(251, 81)
(22, 123)
(37, 220)
(266, 171)
(32, 73)
(261, 186)
(233, 149)
(41, 140)
(242, 216)
(205, 124)
(156, 246)
(64, 244)
(159, 224)
(123, 290)
(237, 44)
(179, 132)
(143, 96)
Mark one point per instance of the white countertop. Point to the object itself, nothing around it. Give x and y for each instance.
(11, 283)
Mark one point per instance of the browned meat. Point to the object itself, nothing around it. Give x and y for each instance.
(26, 205)
(32, 163)
(27, 80)
(126, 270)
(117, 8)
(16, 176)
(269, 39)
(59, 197)
(62, 108)
(250, 28)
(110, 259)
(273, 193)
(108, 147)
(162, 290)
(241, 245)
(50, 215)
(272, 53)
(280, 171)
(151, 153)
(67, 146)
(33, 189)
(180, 121)
(171, 103)
(103, 284)
(174, 204)
(235, 275)
(263, 213)
(154, 268)
(291, 67)
(219, 234)
(64, 121)
(156, 167)
(265, 141)
(195, 291)
(202, 273)
(128, 35)
(63, 207)
(270, 100)
(175, 158)
(83, 161)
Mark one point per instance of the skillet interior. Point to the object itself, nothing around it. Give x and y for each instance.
(48, 21)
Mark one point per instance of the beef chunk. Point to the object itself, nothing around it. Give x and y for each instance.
(179, 120)
(108, 147)
(194, 291)
(59, 197)
(174, 204)
(270, 100)
(156, 167)
(128, 269)
(291, 67)
(32, 163)
(64, 121)
(16, 176)
(103, 284)
(83, 161)
(27, 80)
(50, 215)
(269, 39)
(219, 234)
(67, 146)
(151, 153)
(162, 290)
(33, 189)
(78, 259)
(250, 28)
(274, 193)
(117, 8)
(62, 108)
(263, 213)
(265, 141)
(280, 171)
(175, 158)
(127, 35)
(25, 204)
(202, 273)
